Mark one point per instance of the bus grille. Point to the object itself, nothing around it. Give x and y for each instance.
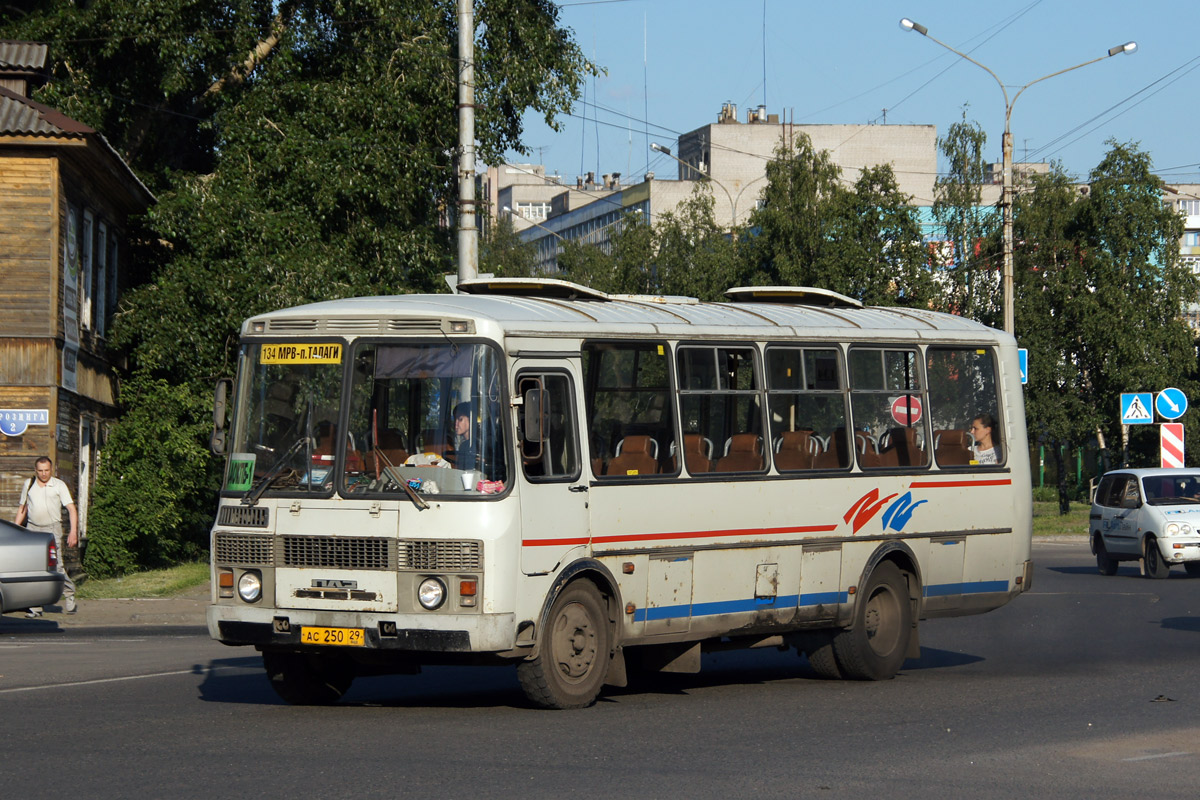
(240, 548)
(346, 552)
(244, 516)
(356, 552)
(439, 556)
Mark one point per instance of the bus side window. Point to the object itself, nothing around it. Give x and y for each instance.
(886, 404)
(807, 408)
(630, 425)
(555, 456)
(962, 387)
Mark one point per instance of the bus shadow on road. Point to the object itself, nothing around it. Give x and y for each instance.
(1190, 624)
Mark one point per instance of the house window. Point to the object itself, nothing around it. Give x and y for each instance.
(85, 271)
(101, 277)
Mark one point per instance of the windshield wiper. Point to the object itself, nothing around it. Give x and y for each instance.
(411, 492)
(255, 491)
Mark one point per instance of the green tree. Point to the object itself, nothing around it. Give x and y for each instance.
(1099, 296)
(793, 223)
(300, 149)
(971, 260)
(693, 256)
(878, 244)
(1133, 337)
(504, 253)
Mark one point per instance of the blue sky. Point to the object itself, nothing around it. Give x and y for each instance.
(846, 61)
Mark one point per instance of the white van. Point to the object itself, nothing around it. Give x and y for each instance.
(1147, 514)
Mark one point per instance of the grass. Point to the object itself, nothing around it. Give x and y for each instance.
(1048, 522)
(153, 583)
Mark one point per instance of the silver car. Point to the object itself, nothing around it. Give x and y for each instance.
(28, 568)
(1151, 515)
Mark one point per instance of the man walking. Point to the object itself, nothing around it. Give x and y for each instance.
(42, 501)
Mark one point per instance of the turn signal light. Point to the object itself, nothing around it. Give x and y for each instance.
(225, 583)
(466, 592)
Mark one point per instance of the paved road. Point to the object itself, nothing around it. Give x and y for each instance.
(1085, 687)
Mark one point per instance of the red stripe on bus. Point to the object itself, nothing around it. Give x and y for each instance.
(958, 484)
(634, 537)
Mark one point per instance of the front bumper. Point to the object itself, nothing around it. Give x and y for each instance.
(412, 633)
(1179, 549)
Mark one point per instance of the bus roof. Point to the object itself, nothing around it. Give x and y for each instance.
(555, 308)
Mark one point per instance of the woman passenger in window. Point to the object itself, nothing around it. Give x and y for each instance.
(987, 445)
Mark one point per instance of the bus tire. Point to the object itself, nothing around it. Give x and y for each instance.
(874, 647)
(572, 661)
(819, 650)
(1104, 562)
(302, 679)
(1156, 567)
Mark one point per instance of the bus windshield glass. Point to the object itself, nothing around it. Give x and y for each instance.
(285, 423)
(427, 417)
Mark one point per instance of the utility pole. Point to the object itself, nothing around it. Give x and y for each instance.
(468, 235)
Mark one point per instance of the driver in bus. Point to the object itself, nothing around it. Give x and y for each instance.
(464, 448)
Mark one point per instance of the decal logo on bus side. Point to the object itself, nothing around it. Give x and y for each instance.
(898, 514)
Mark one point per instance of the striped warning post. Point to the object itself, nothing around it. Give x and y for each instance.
(1170, 437)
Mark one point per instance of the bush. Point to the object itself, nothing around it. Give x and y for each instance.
(153, 500)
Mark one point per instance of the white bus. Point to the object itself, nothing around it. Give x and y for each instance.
(535, 473)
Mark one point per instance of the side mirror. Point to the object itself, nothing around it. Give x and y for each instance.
(220, 414)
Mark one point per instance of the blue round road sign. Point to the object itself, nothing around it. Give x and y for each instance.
(1170, 403)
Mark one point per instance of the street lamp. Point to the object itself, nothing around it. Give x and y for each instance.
(1006, 195)
(666, 151)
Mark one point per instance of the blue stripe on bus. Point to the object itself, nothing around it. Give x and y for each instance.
(737, 606)
(973, 587)
(794, 601)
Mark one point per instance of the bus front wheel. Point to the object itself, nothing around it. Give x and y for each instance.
(572, 662)
(875, 646)
(307, 680)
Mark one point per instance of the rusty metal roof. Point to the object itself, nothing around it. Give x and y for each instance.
(22, 55)
(20, 115)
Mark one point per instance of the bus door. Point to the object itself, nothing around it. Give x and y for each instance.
(553, 488)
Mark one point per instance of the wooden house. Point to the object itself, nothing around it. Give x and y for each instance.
(65, 198)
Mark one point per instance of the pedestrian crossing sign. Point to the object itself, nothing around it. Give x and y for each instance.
(1137, 408)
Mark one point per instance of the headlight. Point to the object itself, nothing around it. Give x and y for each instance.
(1176, 528)
(431, 593)
(250, 587)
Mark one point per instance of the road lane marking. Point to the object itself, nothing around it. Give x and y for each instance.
(112, 680)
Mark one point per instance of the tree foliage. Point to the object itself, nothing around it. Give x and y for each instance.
(1099, 295)
(300, 150)
(970, 263)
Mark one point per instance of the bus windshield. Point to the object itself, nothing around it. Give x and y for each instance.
(285, 423)
(412, 407)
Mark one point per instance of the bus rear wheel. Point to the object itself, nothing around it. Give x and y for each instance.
(302, 679)
(572, 662)
(875, 646)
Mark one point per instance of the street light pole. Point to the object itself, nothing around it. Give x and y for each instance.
(1007, 189)
(666, 151)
